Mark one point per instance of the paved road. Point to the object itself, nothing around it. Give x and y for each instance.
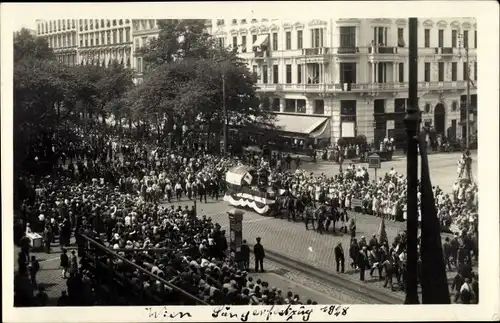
(291, 239)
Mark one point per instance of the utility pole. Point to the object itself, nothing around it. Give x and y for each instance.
(412, 123)
(467, 104)
(224, 112)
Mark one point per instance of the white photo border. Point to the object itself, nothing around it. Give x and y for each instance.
(486, 13)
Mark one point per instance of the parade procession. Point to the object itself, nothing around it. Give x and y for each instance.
(183, 189)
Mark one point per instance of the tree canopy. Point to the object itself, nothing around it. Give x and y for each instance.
(188, 77)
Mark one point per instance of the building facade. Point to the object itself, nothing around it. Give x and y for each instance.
(102, 41)
(347, 77)
(62, 36)
(89, 41)
(143, 30)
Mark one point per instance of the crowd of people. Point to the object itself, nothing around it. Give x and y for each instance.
(112, 193)
(111, 190)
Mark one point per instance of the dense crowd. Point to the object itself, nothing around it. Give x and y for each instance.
(113, 195)
(111, 192)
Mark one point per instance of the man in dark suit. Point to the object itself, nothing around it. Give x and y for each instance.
(245, 255)
(363, 263)
(259, 255)
(339, 257)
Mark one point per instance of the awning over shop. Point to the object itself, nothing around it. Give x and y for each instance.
(316, 127)
(261, 40)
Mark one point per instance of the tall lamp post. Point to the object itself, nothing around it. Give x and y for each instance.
(464, 43)
(224, 109)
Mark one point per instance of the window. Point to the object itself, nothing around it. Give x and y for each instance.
(235, 42)
(255, 70)
(347, 36)
(290, 105)
(288, 73)
(275, 74)
(380, 35)
(475, 38)
(97, 40)
(401, 37)
(254, 39)
(288, 40)
(319, 107)
(81, 42)
(427, 72)
(276, 105)
(299, 39)
(475, 71)
(454, 34)
(465, 71)
(108, 39)
(401, 71)
(347, 72)
(301, 106)
(317, 38)
(120, 36)
(466, 39)
(264, 74)
(127, 35)
(299, 73)
(275, 41)
(86, 42)
(243, 44)
(114, 22)
(427, 38)
(382, 73)
(243, 21)
(454, 71)
(91, 42)
(102, 38)
(441, 71)
(440, 38)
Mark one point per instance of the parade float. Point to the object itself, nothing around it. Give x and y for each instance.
(248, 187)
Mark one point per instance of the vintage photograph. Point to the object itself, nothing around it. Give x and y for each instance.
(245, 161)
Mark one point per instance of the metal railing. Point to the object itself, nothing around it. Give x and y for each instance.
(343, 87)
(102, 253)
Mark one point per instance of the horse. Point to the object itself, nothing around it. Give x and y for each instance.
(295, 207)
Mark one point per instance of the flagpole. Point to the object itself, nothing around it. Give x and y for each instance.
(412, 122)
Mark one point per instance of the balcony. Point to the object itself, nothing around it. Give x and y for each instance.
(446, 51)
(261, 54)
(382, 50)
(315, 51)
(349, 50)
(362, 87)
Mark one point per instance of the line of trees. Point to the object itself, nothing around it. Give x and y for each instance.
(181, 89)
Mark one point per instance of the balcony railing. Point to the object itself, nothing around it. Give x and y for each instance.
(315, 51)
(382, 50)
(347, 50)
(446, 50)
(361, 87)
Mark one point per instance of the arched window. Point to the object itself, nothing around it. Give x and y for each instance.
(427, 108)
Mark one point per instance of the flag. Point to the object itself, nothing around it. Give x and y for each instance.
(248, 178)
(382, 234)
(434, 281)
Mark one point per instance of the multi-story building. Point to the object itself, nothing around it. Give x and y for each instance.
(341, 78)
(102, 41)
(62, 36)
(143, 31)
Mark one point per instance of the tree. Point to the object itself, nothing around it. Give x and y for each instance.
(186, 82)
(178, 39)
(27, 45)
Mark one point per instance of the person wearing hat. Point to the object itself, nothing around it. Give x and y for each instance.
(259, 255)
